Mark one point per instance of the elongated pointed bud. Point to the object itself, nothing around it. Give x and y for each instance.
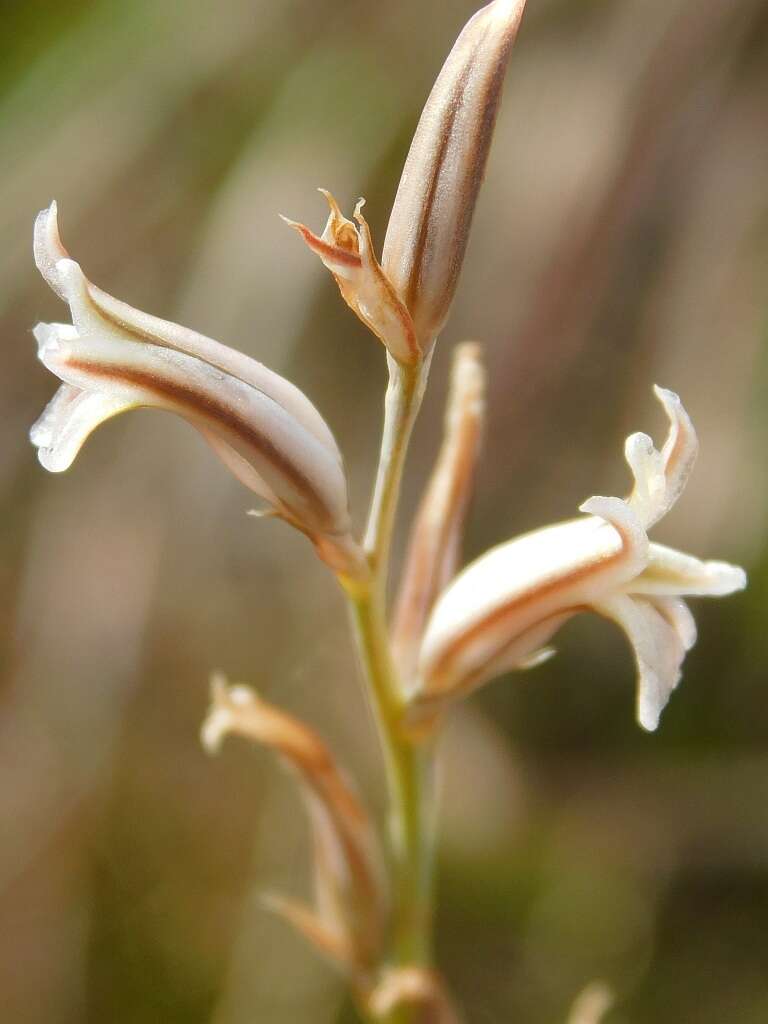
(430, 221)
(434, 549)
(346, 924)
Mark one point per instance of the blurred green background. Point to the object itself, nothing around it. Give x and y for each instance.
(621, 239)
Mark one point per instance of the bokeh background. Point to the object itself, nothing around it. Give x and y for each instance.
(621, 239)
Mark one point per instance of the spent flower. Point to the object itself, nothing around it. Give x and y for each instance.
(346, 249)
(347, 921)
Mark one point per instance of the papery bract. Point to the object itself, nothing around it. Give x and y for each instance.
(347, 921)
(346, 249)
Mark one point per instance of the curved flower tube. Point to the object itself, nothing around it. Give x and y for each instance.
(502, 610)
(113, 358)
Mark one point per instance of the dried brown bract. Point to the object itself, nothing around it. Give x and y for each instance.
(347, 921)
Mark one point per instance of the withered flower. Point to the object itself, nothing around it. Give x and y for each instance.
(430, 221)
(501, 611)
(347, 921)
(346, 249)
(113, 358)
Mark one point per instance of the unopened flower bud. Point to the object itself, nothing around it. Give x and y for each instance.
(432, 214)
(113, 358)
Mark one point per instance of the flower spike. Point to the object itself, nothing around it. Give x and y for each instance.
(501, 611)
(113, 358)
(347, 921)
(346, 249)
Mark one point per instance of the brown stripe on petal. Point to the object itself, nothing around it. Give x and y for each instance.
(510, 610)
(326, 251)
(208, 407)
(429, 228)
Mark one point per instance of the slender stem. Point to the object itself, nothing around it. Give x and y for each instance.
(408, 775)
(408, 765)
(401, 407)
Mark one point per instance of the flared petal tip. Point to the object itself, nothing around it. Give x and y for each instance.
(52, 460)
(49, 338)
(648, 715)
(46, 225)
(724, 578)
(669, 399)
(226, 701)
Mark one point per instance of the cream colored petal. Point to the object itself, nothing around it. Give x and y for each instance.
(305, 478)
(670, 573)
(647, 464)
(47, 247)
(658, 650)
(506, 604)
(243, 471)
(679, 616)
(681, 446)
(100, 314)
(68, 420)
(661, 476)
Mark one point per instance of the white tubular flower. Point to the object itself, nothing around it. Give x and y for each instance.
(113, 358)
(502, 610)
